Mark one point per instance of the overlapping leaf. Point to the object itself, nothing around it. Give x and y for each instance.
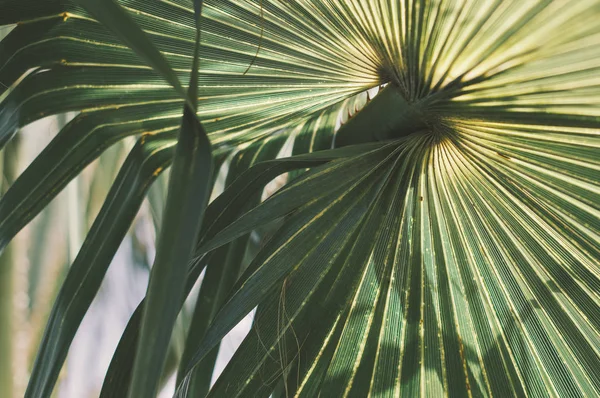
(468, 284)
(146, 161)
(488, 281)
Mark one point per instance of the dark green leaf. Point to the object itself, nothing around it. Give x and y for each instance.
(145, 162)
(115, 18)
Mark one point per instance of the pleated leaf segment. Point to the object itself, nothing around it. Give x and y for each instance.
(460, 256)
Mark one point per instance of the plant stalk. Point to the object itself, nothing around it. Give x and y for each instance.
(387, 116)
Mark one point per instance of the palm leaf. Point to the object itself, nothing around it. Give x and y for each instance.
(219, 215)
(459, 258)
(89, 267)
(226, 265)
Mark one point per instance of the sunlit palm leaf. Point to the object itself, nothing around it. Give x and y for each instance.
(284, 80)
(221, 212)
(464, 261)
(226, 265)
(488, 281)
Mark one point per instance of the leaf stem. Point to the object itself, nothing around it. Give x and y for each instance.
(389, 115)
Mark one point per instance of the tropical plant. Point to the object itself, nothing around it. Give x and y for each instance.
(445, 240)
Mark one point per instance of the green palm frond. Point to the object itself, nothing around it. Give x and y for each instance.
(449, 245)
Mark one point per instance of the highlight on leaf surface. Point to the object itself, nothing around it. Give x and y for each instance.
(459, 257)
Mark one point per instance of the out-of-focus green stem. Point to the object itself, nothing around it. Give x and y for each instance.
(8, 172)
(50, 254)
(74, 208)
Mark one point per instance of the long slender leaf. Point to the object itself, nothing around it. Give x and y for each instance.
(187, 198)
(224, 268)
(115, 18)
(223, 210)
(273, 346)
(299, 192)
(147, 159)
(273, 266)
(118, 377)
(55, 167)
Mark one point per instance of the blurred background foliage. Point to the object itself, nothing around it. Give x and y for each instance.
(33, 266)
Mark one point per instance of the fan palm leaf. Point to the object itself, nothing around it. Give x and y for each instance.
(458, 255)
